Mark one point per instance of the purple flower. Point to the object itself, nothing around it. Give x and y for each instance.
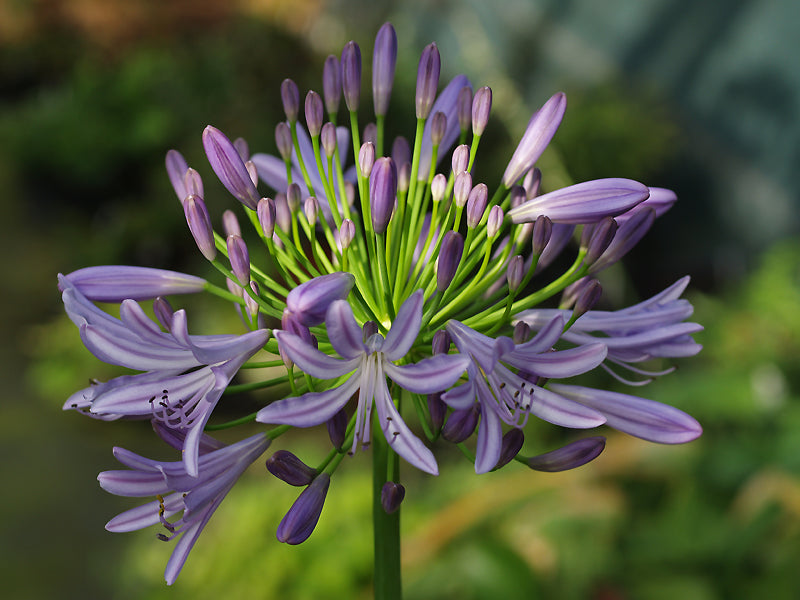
(195, 496)
(308, 302)
(650, 329)
(370, 362)
(229, 167)
(573, 455)
(115, 283)
(184, 375)
(507, 397)
(447, 104)
(302, 518)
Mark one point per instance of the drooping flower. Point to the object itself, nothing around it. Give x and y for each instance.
(370, 361)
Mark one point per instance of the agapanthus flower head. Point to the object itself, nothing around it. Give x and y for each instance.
(404, 294)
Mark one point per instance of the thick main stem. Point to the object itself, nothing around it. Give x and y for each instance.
(386, 527)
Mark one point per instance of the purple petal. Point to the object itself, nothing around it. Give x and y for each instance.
(574, 454)
(405, 327)
(115, 283)
(446, 103)
(309, 301)
(559, 364)
(229, 167)
(639, 417)
(145, 515)
(115, 350)
(433, 374)
(311, 360)
(558, 410)
(309, 409)
(460, 397)
(345, 335)
(490, 441)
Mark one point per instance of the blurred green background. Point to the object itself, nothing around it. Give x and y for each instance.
(698, 97)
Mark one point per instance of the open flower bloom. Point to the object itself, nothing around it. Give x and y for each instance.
(370, 361)
(184, 375)
(506, 397)
(195, 497)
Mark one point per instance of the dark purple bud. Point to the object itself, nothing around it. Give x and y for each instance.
(449, 259)
(283, 216)
(438, 187)
(571, 293)
(283, 140)
(337, 428)
(291, 324)
(633, 225)
(293, 196)
(541, 129)
(515, 272)
(427, 80)
(163, 311)
(351, 75)
(366, 158)
(200, 225)
(481, 107)
(532, 182)
(266, 216)
(332, 84)
(437, 409)
(596, 238)
(572, 455)
(510, 447)
(242, 148)
(495, 221)
(369, 329)
(328, 139)
(384, 60)
(371, 134)
(346, 233)
(590, 294)
(230, 224)
(290, 97)
(392, 495)
(176, 170)
(401, 152)
(461, 424)
(309, 301)
(302, 517)
(522, 332)
(438, 127)
(461, 188)
(460, 160)
(193, 183)
(476, 204)
(517, 194)
(229, 167)
(310, 210)
(240, 259)
(382, 193)
(314, 113)
(249, 301)
(234, 288)
(441, 342)
(542, 230)
(464, 108)
(288, 468)
(404, 177)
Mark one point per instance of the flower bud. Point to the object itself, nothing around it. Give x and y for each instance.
(290, 97)
(449, 259)
(230, 224)
(288, 468)
(266, 216)
(309, 301)
(242, 148)
(522, 332)
(332, 84)
(404, 177)
(532, 182)
(476, 204)
(293, 196)
(401, 151)
(115, 283)
(392, 495)
(515, 272)
(464, 108)
(441, 342)
(176, 170)
(310, 210)
(438, 187)
(437, 409)
(366, 158)
(633, 224)
(384, 60)
(239, 258)
(346, 233)
(574, 454)
(229, 167)
(283, 216)
(590, 294)
(328, 139)
(163, 311)
(427, 80)
(382, 193)
(249, 302)
(351, 75)
(595, 239)
(299, 522)
(542, 230)
(252, 170)
(337, 428)
(481, 107)
(283, 140)
(510, 447)
(461, 424)
(369, 329)
(314, 113)
(371, 133)
(460, 160)
(438, 127)
(462, 188)
(193, 183)
(200, 225)
(494, 222)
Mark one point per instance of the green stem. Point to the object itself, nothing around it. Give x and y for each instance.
(386, 527)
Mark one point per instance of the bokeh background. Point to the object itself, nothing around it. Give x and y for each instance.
(701, 97)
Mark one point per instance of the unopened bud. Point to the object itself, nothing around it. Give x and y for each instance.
(476, 204)
(310, 209)
(401, 152)
(427, 80)
(392, 495)
(249, 302)
(328, 139)
(522, 332)
(371, 133)
(351, 75)
(481, 107)
(571, 456)
(266, 216)
(239, 258)
(510, 447)
(332, 84)
(366, 158)
(532, 182)
(293, 196)
(461, 424)
(438, 127)
(449, 259)
(596, 238)
(200, 225)
(242, 148)
(464, 108)
(290, 97)
(515, 272)
(346, 233)
(542, 230)
(462, 188)
(193, 183)
(302, 518)
(314, 113)
(337, 428)
(438, 187)
(288, 468)
(495, 221)
(437, 409)
(384, 60)
(229, 167)
(441, 342)
(460, 160)
(382, 193)
(230, 224)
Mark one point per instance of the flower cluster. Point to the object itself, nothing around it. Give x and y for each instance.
(398, 284)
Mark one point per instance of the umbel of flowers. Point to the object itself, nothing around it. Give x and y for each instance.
(402, 298)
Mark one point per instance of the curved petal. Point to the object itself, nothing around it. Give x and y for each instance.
(345, 335)
(558, 410)
(116, 350)
(433, 374)
(460, 397)
(574, 454)
(311, 360)
(562, 363)
(405, 327)
(545, 339)
(490, 441)
(309, 409)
